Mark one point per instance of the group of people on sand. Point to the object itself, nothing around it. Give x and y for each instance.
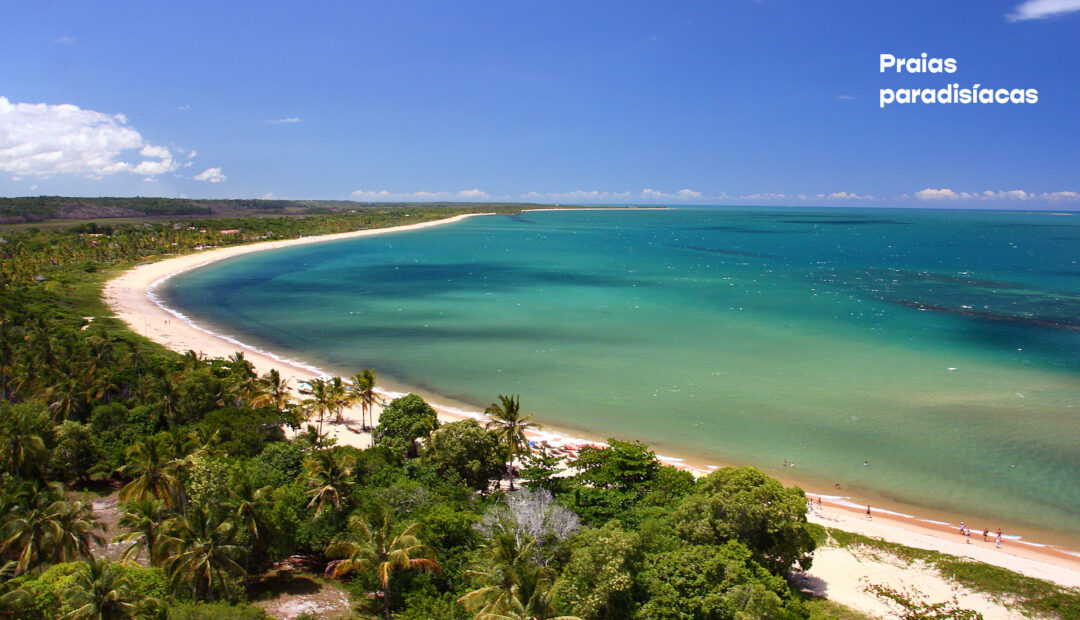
(963, 528)
(966, 533)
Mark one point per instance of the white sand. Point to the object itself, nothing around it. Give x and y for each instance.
(127, 296)
(843, 575)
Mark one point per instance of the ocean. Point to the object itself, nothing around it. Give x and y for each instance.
(927, 359)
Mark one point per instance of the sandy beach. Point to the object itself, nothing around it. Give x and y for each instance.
(129, 297)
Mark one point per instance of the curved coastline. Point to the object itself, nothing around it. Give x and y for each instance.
(132, 298)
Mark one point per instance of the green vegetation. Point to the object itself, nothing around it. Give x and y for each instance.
(215, 504)
(68, 210)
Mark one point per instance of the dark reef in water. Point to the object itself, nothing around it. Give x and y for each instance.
(739, 253)
(989, 316)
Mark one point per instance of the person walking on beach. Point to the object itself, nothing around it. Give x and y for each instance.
(967, 534)
(997, 541)
(963, 528)
(868, 512)
(986, 534)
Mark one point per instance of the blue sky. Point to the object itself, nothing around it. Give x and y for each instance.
(722, 102)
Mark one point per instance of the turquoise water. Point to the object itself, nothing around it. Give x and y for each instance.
(941, 347)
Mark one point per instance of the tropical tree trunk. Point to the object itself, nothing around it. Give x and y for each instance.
(386, 599)
(510, 469)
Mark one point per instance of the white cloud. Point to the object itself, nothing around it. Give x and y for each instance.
(268, 196)
(1012, 195)
(65, 40)
(845, 97)
(1055, 196)
(936, 194)
(419, 196)
(848, 196)
(284, 121)
(655, 195)
(1042, 9)
(593, 196)
(765, 196)
(42, 140)
(211, 175)
(789, 198)
(578, 195)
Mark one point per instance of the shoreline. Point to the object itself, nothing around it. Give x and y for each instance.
(130, 296)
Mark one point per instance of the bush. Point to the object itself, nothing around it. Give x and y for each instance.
(467, 450)
(278, 463)
(599, 577)
(709, 581)
(403, 421)
(76, 453)
(746, 505)
(48, 591)
(243, 431)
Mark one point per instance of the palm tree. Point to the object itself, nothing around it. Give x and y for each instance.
(99, 591)
(13, 601)
(191, 359)
(339, 397)
(23, 452)
(514, 587)
(151, 465)
(252, 508)
(200, 553)
(321, 401)
(29, 530)
(329, 473)
(102, 386)
(166, 390)
(39, 527)
(7, 358)
(143, 517)
(66, 395)
(362, 388)
(509, 426)
(137, 356)
(242, 378)
(203, 441)
(26, 372)
(77, 530)
(374, 546)
(272, 391)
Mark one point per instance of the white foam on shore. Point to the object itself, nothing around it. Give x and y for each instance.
(151, 294)
(843, 500)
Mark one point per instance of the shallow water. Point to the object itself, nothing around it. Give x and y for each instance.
(940, 347)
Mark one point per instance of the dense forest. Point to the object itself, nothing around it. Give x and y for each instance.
(46, 208)
(215, 508)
